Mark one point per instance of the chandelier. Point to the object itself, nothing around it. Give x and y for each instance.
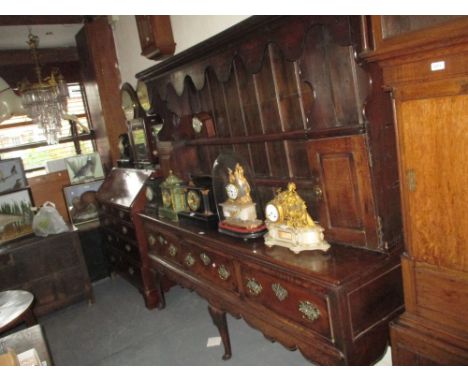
(45, 101)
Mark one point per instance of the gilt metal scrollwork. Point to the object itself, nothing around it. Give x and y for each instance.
(223, 272)
(161, 240)
(172, 250)
(205, 259)
(189, 260)
(151, 240)
(254, 287)
(309, 310)
(280, 292)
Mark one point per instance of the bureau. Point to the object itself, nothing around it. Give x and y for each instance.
(120, 197)
(333, 307)
(51, 268)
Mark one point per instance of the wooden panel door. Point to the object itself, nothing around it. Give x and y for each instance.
(344, 190)
(433, 140)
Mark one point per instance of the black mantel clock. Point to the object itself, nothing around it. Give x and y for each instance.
(200, 206)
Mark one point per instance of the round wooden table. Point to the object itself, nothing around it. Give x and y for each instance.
(15, 308)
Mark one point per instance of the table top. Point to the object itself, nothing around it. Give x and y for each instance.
(13, 303)
(26, 339)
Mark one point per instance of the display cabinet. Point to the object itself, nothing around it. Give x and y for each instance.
(429, 86)
(155, 33)
(120, 197)
(291, 97)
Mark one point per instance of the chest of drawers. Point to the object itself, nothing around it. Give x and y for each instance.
(333, 307)
(52, 268)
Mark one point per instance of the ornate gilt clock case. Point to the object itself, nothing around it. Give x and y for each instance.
(235, 198)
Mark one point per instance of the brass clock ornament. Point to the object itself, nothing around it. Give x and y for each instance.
(173, 197)
(289, 225)
(238, 209)
(199, 199)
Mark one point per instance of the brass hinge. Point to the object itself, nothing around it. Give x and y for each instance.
(411, 179)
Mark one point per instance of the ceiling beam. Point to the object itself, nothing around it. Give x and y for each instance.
(23, 56)
(40, 20)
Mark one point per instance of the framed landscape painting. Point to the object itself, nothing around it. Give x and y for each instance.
(81, 201)
(12, 176)
(15, 215)
(84, 168)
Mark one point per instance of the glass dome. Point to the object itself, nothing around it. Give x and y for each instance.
(236, 198)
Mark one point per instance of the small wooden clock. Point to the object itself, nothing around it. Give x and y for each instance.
(173, 197)
(199, 199)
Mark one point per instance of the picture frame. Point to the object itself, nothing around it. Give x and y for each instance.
(84, 168)
(82, 205)
(12, 175)
(16, 216)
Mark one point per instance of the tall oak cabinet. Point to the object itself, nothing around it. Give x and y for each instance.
(425, 66)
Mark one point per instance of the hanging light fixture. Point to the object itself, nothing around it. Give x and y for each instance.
(45, 101)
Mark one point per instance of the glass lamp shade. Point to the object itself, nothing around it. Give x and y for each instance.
(46, 105)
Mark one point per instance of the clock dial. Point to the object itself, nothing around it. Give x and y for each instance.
(166, 196)
(272, 213)
(232, 191)
(142, 94)
(128, 106)
(197, 124)
(193, 200)
(149, 194)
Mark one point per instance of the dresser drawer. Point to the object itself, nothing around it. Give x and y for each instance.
(301, 302)
(209, 265)
(128, 268)
(163, 244)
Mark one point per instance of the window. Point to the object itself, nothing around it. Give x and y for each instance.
(20, 137)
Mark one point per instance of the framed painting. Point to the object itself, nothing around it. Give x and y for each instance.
(81, 201)
(16, 215)
(84, 168)
(12, 176)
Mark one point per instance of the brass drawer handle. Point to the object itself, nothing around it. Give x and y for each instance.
(309, 310)
(223, 272)
(254, 287)
(124, 230)
(128, 248)
(317, 192)
(280, 292)
(151, 240)
(172, 250)
(131, 270)
(205, 259)
(189, 260)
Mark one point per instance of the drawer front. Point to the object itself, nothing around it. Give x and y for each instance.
(127, 268)
(209, 265)
(163, 244)
(303, 303)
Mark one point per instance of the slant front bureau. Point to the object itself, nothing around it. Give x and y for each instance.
(333, 307)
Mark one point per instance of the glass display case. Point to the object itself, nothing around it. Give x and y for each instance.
(240, 214)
